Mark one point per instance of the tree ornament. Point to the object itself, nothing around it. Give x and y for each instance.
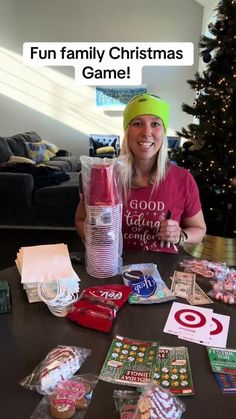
(197, 143)
(222, 16)
(218, 25)
(233, 182)
(186, 145)
(206, 57)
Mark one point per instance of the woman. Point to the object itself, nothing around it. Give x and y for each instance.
(161, 207)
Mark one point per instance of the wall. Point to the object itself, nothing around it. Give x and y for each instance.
(48, 101)
(209, 15)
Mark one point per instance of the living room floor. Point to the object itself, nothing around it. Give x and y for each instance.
(12, 239)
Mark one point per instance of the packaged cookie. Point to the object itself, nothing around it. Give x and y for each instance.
(70, 399)
(60, 363)
(156, 402)
(126, 402)
(146, 284)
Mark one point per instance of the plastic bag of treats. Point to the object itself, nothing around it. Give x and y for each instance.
(225, 290)
(205, 268)
(60, 363)
(156, 402)
(146, 283)
(70, 399)
(126, 402)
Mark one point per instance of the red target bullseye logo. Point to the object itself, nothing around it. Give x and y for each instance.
(190, 318)
(217, 327)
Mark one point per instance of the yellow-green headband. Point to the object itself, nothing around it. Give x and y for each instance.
(146, 104)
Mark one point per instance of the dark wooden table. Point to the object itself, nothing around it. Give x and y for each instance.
(30, 331)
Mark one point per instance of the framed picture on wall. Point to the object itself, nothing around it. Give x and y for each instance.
(115, 98)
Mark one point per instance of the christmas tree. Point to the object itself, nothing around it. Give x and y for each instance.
(209, 152)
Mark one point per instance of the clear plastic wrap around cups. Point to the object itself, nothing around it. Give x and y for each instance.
(157, 402)
(102, 188)
(60, 363)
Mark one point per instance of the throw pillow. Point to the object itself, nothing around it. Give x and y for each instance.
(51, 147)
(38, 152)
(105, 150)
(18, 159)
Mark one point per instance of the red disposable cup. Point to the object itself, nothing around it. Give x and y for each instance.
(103, 189)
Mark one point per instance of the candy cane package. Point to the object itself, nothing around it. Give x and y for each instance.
(102, 188)
(60, 363)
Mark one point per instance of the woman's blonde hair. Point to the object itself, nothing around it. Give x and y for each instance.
(159, 169)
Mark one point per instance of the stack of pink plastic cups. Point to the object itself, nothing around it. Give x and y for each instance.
(103, 228)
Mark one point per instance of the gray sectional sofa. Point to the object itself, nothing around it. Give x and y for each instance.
(37, 193)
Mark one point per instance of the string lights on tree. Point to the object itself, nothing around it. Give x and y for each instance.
(210, 150)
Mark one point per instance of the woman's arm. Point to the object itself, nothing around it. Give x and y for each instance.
(194, 227)
(80, 216)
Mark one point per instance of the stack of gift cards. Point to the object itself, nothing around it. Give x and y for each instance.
(184, 285)
(223, 364)
(197, 324)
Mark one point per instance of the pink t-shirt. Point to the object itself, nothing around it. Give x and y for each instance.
(178, 193)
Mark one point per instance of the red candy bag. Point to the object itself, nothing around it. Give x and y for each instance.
(97, 306)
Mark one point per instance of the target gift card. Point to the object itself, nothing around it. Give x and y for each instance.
(189, 322)
(219, 330)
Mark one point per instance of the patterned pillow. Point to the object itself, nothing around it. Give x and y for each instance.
(38, 152)
(51, 147)
(105, 150)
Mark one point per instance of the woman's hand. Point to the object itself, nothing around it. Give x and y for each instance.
(169, 232)
(193, 227)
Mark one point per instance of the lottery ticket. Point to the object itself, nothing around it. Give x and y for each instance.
(222, 360)
(226, 382)
(129, 362)
(172, 370)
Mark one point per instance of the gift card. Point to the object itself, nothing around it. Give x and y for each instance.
(189, 322)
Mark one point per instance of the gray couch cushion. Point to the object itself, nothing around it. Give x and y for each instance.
(71, 162)
(16, 198)
(29, 136)
(60, 196)
(65, 166)
(17, 146)
(5, 151)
